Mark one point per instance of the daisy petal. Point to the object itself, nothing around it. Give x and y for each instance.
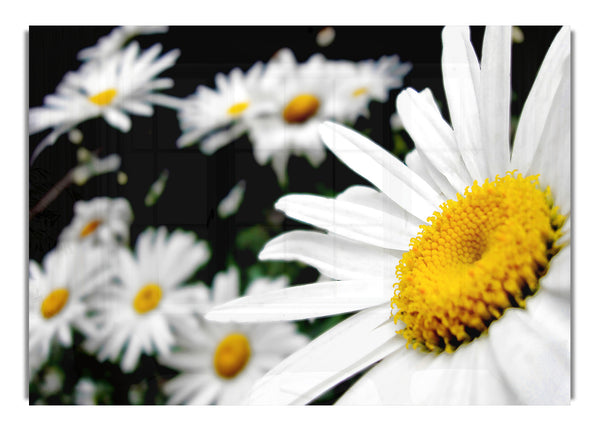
(368, 225)
(558, 278)
(332, 255)
(461, 74)
(382, 169)
(117, 119)
(304, 301)
(345, 349)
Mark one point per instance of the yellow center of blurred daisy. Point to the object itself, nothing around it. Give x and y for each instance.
(231, 355)
(103, 98)
(90, 228)
(238, 108)
(147, 298)
(359, 91)
(301, 108)
(482, 254)
(54, 302)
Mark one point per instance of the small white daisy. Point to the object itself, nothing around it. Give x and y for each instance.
(463, 253)
(99, 221)
(357, 84)
(57, 292)
(138, 314)
(219, 362)
(112, 42)
(112, 87)
(218, 116)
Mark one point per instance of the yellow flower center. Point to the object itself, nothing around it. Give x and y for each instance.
(359, 91)
(237, 108)
(231, 355)
(483, 253)
(104, 97)
(54, 302)
(147, 298)
(89, 228)
(301, 108)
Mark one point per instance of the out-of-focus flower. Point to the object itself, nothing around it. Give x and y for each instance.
(85, 392)
(57, 293)
(218, 116)
(231, 203)
(156, 189)
(325, 36)
(99, 221)
(52, 381)
(357, 84)
(112, 42)
(138, 314)
(479, 286)
(113, 87)
(219, 362)
(95, 166)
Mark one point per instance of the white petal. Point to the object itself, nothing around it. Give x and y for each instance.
(305, 301)
(558, 278)
(552, 160)
(332, 255)
(226, 286)
(351, 220)
(382, 169)
(117, 119)
(461, 74)
(536, 368)
(494, 97)
(334, 356)
(433, 137)
(539, 102)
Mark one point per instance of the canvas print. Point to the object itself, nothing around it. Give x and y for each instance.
(264, 215)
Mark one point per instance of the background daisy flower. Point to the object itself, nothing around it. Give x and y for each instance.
(57, 292)
(219, 362)
(507, 340)
(112, 87)
(99, 221)
(139, 313)
(112, 42)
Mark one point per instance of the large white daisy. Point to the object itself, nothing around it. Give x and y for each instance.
(219, 362)
(112, 87)
(57, 292)
(99, 221)
(475, 262)
(139, 313)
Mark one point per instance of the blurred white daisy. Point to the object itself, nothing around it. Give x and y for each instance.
(475, 262)
(357, 84)
(138, 315)
(57, 292)
(99, 221)
(112, 42)
(218, 116)
(85, 392)
(219, 362)
(112, 87)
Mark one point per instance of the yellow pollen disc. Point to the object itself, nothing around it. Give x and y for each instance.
(147, 298)
(103, 98)
(54, 302)
(89, 228)
(483, 253)
(231, 355)
(238, 108)
(359, 91)
(301, 108)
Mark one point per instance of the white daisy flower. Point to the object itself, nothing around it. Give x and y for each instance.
(475, 262)
(138, 315)
(219, 116)
(99, 221)
(357, 84)
(57, 292)
(112, 42)
(300, 97)
(219, 362)
(112, 87)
